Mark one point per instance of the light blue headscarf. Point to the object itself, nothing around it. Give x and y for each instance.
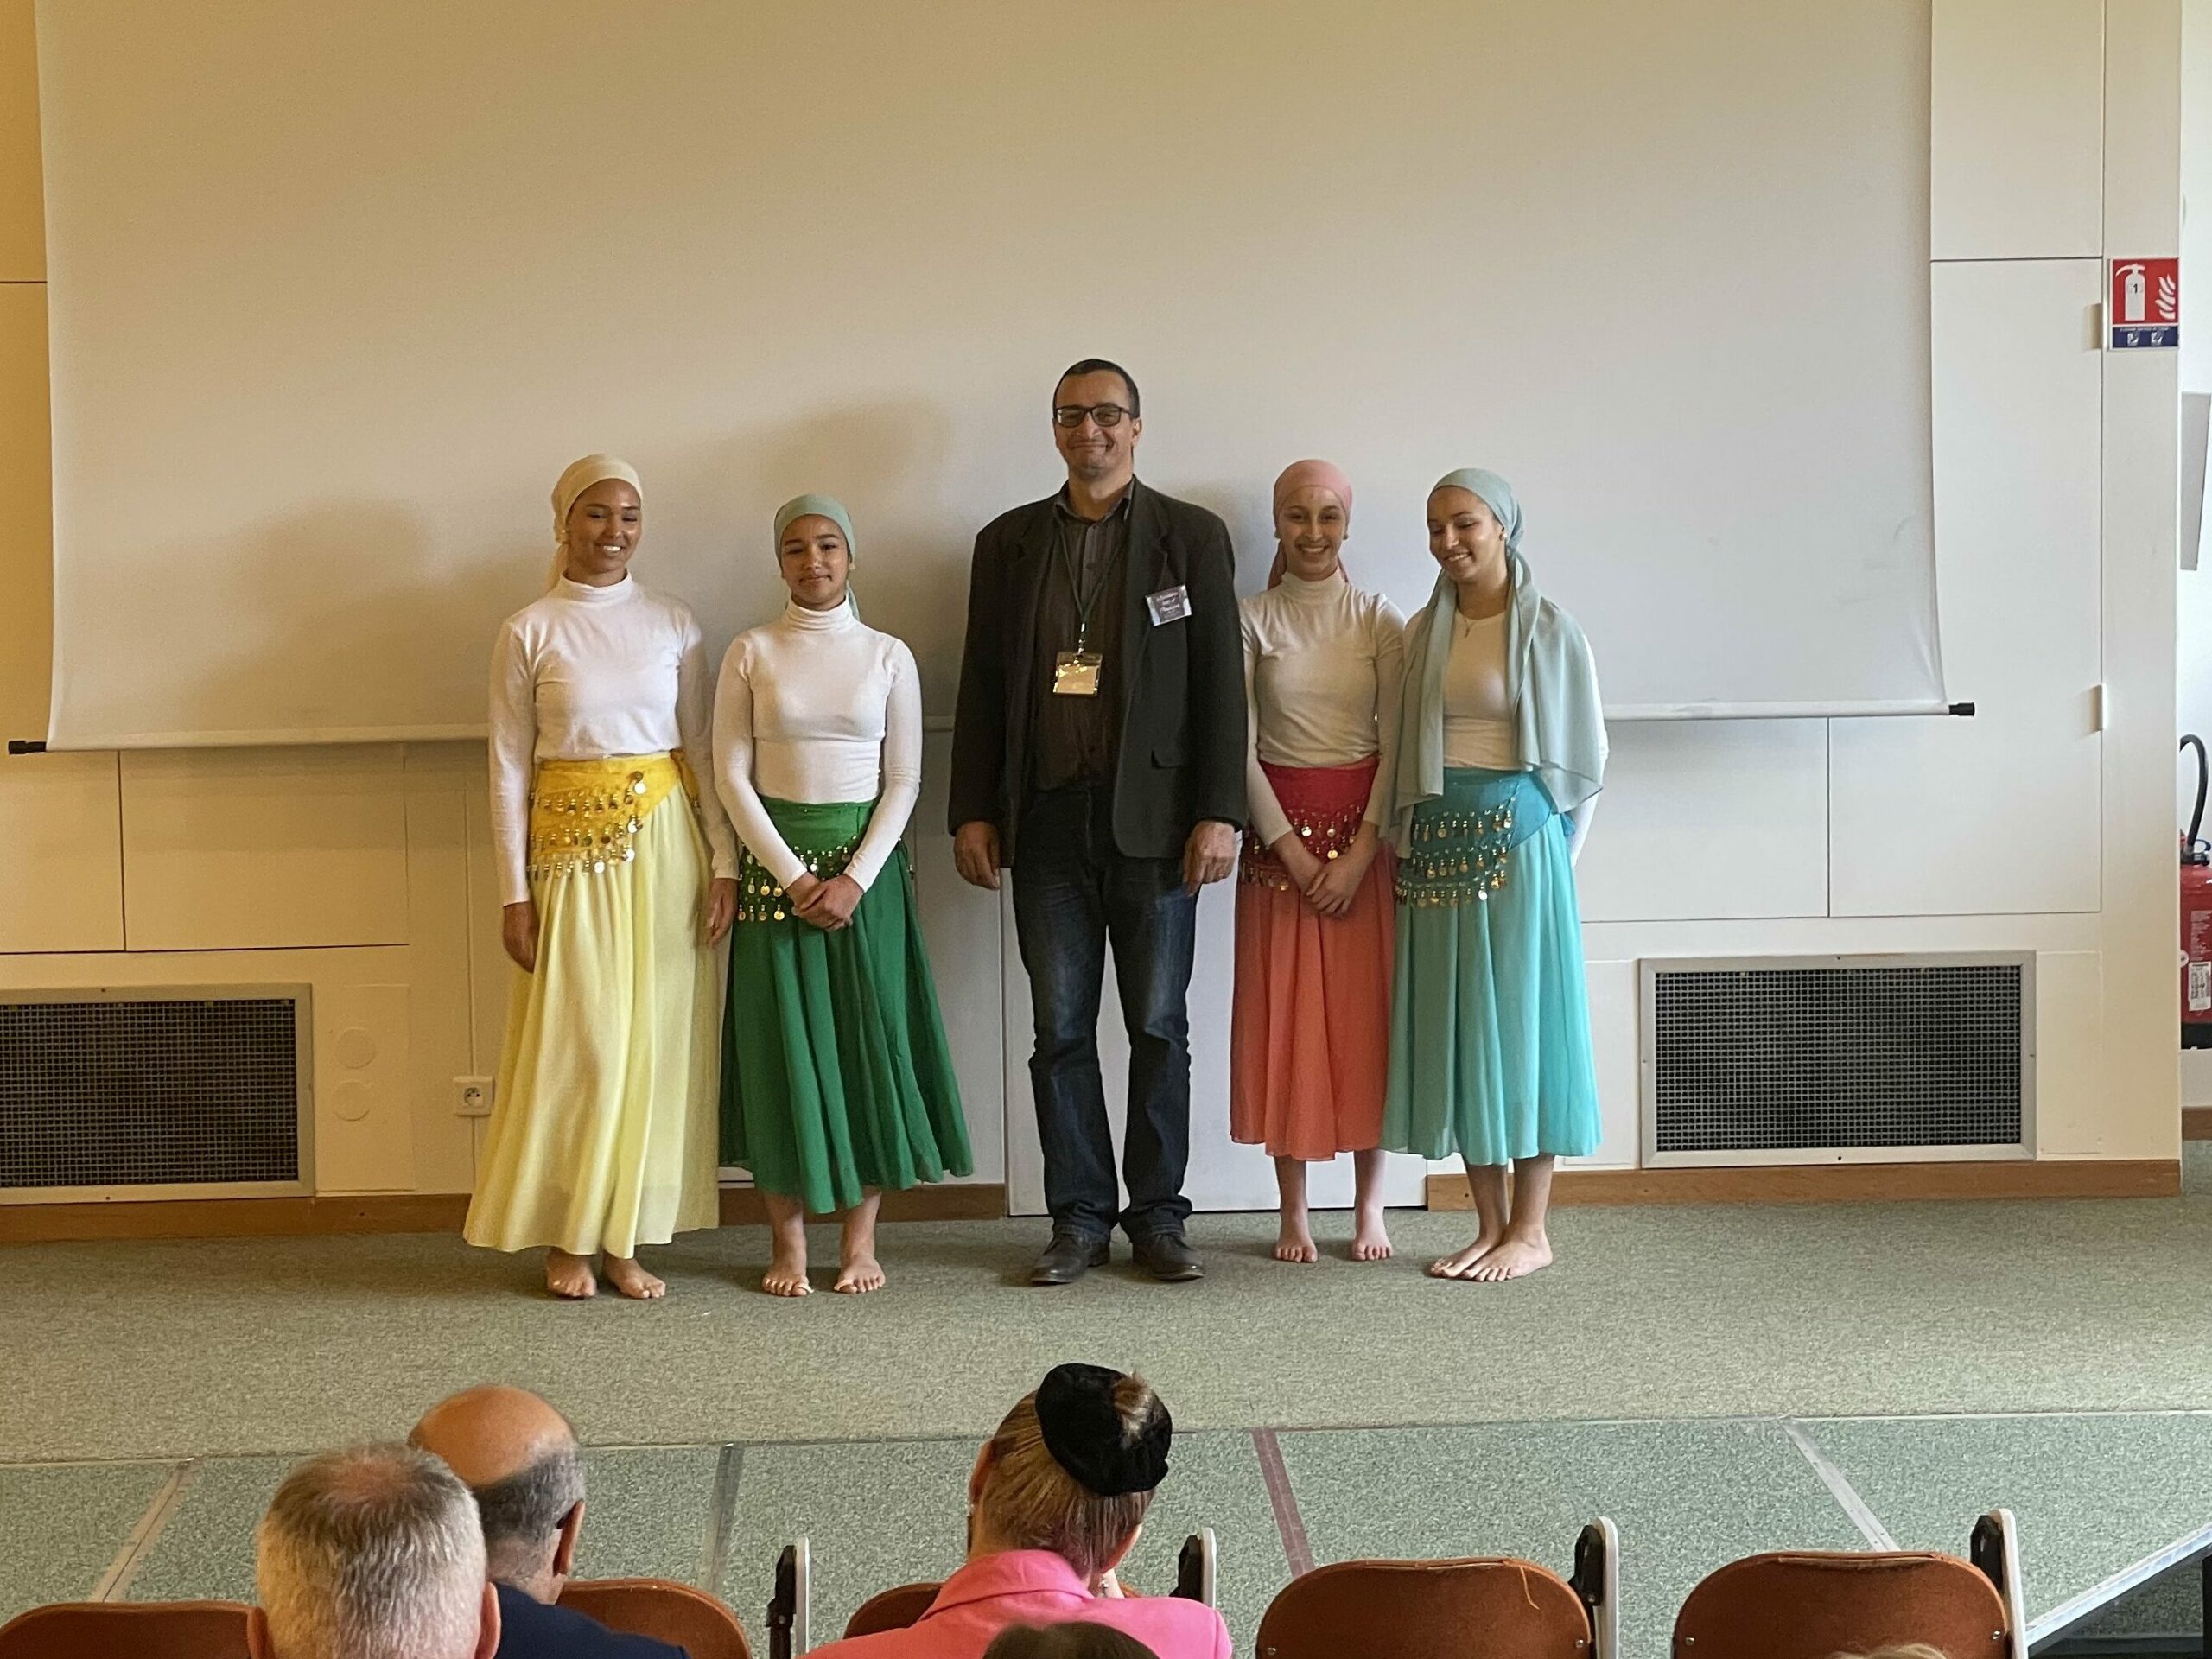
(823, 506)
(1560, 722)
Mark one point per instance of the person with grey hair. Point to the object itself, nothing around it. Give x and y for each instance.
(372, 1554)
(518, 1457)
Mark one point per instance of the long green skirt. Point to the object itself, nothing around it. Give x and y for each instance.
(836, 1075)
(1490, 1018)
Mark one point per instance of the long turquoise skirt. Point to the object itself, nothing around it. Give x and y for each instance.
(1490, 1020)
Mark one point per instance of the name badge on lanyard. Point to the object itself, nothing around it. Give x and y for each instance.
(1075, 673)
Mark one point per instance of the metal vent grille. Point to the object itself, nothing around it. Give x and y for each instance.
(106, 1092)
(1831, 1055)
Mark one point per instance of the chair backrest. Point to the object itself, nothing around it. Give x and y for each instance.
(663, 1609)
(1811, 1604)
(127, 1629)
(892, 1610)
(1486, 1608)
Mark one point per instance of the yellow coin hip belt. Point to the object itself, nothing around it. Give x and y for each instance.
(585, 816)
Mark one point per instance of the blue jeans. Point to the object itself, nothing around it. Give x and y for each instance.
(1074, 893)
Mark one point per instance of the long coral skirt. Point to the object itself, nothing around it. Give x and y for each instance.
(1310, 1032)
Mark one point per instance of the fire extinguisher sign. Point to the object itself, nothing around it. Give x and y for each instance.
(2145, 304)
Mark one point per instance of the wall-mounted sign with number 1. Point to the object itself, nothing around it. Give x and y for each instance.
(2145, 304)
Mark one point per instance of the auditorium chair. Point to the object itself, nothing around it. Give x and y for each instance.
(897, 1608)
(1485, 1607)
(127, 1629)
(1808, 1604)
(672, 1612)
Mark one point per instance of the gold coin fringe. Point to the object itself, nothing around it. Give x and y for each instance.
(760, 897)
(1324, 837)
(1457, 858)
(586, 831)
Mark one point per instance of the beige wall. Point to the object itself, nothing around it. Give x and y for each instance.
(349, 871)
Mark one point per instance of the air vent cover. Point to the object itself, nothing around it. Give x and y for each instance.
(107, 1090)
(1759, 1061)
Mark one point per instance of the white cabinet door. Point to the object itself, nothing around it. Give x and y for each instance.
(1998, 814)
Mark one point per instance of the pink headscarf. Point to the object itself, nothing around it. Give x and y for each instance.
(1309, 474)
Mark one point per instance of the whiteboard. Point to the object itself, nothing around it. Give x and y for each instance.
(337, 291)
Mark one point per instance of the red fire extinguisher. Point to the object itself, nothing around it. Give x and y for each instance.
(2196, 918)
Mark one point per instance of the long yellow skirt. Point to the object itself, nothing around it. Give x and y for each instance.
(605, 1118)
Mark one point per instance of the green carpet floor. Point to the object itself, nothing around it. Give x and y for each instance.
(196, 1349)
(1664, 1374)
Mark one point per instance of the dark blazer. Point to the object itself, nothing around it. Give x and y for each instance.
(530, 1629)
(1181, 752)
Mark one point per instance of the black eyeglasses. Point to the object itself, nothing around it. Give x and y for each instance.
(1071, 414)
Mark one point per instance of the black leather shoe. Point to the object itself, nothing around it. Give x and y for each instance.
(1067, 1258)
(1168, 1257)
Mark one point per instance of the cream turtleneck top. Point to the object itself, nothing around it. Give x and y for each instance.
(1323, 661)
(817, 708)
(585, 673)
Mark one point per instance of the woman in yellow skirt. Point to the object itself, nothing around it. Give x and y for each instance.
(618, 878)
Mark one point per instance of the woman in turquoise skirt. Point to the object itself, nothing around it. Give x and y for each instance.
(1502, 753)
(836, 1079)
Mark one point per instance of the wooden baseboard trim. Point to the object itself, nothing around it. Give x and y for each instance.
(389, 1212)
(2196, 1122)
(2145, 1177)
(378, 1212)
(743, 1206)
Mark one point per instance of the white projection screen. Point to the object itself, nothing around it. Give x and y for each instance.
(337, 291)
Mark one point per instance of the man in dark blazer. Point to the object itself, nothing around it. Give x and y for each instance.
(519, 1458)
(1098, 751)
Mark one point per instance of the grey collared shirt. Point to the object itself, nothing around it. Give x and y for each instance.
(1076, 740)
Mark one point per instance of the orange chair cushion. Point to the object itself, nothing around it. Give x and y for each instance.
(1474, 1609)
(127, 1629)
(1814, 1605)
(892, 1610)
(660, 1608)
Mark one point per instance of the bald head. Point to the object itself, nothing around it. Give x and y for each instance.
(518, 1456)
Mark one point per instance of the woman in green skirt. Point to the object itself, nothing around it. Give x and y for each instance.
(1500, 755)
(836, 1079)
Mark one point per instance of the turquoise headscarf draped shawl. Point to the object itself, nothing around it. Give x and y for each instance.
(1559, 723)
(821, 506)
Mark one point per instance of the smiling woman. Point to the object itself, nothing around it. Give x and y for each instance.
(839, 1079)
(602, 1131)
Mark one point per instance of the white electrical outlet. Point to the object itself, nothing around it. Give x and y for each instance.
(472, 1097)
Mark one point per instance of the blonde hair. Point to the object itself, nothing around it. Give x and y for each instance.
(1910, 1651)
(1030, 1503)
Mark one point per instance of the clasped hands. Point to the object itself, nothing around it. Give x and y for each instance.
(1209, 854)
(1329, 884)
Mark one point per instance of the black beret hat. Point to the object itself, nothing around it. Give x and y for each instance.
(1074, 1410)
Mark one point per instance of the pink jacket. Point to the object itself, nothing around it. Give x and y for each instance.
(1034, 1587)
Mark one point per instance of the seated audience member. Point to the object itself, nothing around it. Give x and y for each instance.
(1075, 1641)
(519, 1458)
(372, 1554)
(1055, 1502)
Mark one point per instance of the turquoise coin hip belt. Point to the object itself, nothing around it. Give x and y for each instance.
(1463, 843)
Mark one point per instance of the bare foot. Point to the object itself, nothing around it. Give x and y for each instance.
(632, 1281)
(1515, 1258)
(786, 1275)
(1371, 1239)
(860, 1274)
(569, 1276)
(1294, 1243)
(1459, 1267)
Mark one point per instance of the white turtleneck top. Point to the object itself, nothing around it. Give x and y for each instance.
(816, 706)
(585, 673)
(1323, 662)
(1478, 724)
